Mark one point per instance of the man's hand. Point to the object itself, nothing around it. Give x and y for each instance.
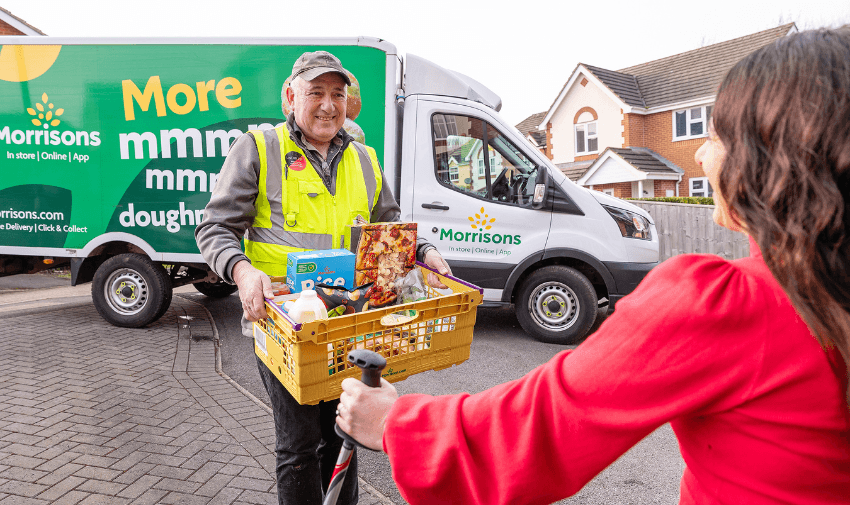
(435, 260)
(253, 286)
(362, 411)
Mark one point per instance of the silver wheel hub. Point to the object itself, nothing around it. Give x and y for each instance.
(126, 291)
(554, 306)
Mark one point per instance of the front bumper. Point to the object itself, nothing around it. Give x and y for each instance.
(626, 276)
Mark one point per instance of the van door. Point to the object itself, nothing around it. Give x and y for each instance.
(472, 195)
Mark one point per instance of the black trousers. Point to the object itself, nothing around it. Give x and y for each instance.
(306, 446)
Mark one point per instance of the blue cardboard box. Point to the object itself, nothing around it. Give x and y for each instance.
(307, 268)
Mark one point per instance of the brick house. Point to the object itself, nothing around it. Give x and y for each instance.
(13, 25)
(634, 132)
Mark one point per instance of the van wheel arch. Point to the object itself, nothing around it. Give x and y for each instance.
(593, 269)
(83, 269)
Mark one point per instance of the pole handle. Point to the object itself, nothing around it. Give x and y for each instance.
(371, 365)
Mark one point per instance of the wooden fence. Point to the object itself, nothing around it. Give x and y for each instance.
(685, 228)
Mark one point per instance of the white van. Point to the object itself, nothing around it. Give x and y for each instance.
(114, 145)
(509, 221)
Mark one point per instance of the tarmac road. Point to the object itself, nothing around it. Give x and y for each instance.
(501, 351)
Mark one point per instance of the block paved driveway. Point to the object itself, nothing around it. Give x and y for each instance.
(91, 413)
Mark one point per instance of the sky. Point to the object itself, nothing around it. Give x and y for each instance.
(523, 51)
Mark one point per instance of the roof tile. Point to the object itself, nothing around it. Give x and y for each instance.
(644, 160)
(685, 76)
(697, 73)
(531, 123)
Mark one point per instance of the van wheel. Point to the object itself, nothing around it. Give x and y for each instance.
(218, 289)
(131, 291)
(557, 304)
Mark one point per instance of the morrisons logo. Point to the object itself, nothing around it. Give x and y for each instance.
(480, 237)
(481, 223)
(43, 116)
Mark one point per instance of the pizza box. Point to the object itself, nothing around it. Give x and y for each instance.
(384, 253)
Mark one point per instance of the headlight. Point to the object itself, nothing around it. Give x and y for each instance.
(631, 225)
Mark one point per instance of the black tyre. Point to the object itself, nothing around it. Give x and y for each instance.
(557, 304)
(215, 290)
(131, 291)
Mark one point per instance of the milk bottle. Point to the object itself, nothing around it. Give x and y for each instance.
(307, 307)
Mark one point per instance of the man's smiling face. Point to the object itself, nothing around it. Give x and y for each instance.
(319, 106)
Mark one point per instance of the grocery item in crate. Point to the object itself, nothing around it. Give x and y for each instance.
(307, 268)
(336, 311)
(391, 343)
(411, 287)
(400, 317)
(280, 300)
(307, 308)
(354, 300)
(385, 252)
(279, 286)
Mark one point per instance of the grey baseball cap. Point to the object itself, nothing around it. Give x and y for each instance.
(308, 66)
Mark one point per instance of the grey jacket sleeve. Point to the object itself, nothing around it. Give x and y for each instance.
(231, 209)
(387, 210)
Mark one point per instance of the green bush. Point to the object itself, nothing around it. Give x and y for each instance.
(696, 200)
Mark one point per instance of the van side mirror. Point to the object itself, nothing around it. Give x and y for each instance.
(539, 193)
(539, 197)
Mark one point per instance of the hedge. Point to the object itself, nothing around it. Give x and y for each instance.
(696, 200)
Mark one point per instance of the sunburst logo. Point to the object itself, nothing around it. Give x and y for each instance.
(482, 221)
(46, 116)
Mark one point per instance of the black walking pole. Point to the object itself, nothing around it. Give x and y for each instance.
(371, 364)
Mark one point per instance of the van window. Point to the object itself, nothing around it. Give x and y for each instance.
(473, 157)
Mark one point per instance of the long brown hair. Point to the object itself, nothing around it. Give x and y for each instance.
(783, 114)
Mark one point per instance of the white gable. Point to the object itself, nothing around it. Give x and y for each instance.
(609, 119)
(612, 170)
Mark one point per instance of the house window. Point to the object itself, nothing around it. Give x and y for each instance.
(608, 191)
(454, 175)
(493, 166)
(691, 123)
(700, 187)
(586, 140)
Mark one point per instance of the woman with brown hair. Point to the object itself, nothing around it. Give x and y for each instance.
(746, 359)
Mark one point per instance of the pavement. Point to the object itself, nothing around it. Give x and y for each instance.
(95, 414)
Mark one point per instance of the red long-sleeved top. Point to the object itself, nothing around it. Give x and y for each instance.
(712, 346)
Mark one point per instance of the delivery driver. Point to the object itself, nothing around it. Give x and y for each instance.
(287, 189)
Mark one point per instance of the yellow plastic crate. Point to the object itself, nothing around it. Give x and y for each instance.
(309, 359)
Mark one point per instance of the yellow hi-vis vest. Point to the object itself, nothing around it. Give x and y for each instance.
(295, 211)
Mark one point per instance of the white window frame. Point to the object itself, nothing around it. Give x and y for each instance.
(704, 116)
(608, 191)
(480, 159)
(583, 126)
(454, 173)
(706, 186)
